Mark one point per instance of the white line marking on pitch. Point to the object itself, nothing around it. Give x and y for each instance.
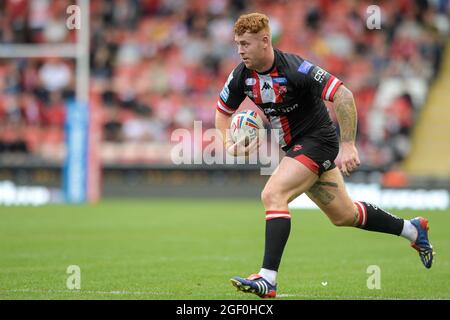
(144, 293)
(137, 293)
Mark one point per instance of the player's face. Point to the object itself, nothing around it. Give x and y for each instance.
(251, 49)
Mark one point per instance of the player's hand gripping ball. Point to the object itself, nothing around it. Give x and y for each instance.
(245, 126)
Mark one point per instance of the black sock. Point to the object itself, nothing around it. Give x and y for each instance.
(372, 218)
(278, 227)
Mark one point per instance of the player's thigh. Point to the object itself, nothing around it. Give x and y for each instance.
(290, 179)
(330, 195)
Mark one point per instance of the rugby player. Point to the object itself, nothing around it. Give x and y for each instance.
(291, 91)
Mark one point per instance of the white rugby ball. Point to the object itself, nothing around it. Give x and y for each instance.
(245, 123)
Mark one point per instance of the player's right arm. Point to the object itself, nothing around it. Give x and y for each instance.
(237, 148)
(222, 125)
(230, 99)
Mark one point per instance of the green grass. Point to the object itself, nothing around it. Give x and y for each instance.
(188, 249)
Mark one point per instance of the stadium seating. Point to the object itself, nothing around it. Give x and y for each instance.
(159, 65)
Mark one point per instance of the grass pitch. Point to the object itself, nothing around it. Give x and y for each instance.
(188, 249)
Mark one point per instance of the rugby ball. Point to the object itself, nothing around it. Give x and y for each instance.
(245, 124)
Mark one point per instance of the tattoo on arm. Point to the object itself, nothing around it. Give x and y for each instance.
(320, 193)
(345, 109)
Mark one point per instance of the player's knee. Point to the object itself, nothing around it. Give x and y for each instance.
(267, 197)
(272, 198)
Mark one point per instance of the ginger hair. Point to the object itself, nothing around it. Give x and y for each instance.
(253, 23)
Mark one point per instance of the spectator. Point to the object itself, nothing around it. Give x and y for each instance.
(55, 75)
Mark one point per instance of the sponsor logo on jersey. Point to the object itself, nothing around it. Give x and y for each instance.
(319, 74)
(266, 86)
(280, 80)
(280, 110)
(270, 112)
(250, 81)
(305, 67)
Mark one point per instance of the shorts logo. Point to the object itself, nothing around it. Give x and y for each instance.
(297, 147)
(250, 81)
(305, 67)
(326, 164)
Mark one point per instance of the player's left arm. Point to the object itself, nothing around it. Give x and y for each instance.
(346, 114)
(330, 88)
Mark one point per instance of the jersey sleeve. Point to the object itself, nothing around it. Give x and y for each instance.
(320, 82)
(232, 94)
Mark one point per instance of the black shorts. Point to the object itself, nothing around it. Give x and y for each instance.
(317, 150)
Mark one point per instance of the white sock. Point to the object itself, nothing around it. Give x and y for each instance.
(409, 231)
(269, 275)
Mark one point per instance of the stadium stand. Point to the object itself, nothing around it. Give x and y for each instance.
(430, 153)
(157, 65)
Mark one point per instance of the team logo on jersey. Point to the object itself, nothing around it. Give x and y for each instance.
(266, 86)
(250, 81)
(305, 67)
(282, 90)
(280, 80)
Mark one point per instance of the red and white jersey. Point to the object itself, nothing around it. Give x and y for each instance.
(291, 94)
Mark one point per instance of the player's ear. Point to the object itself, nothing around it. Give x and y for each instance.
(266, 40)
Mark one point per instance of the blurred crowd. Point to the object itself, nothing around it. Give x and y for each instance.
(158, 65)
